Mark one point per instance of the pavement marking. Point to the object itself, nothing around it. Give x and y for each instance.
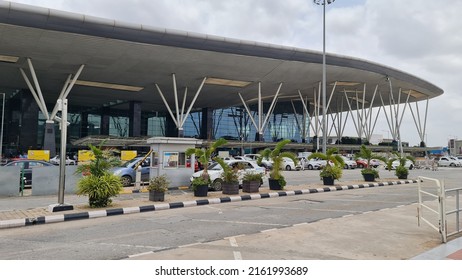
(189, 245)
(268, 230)
(233, 243)
(140, 254)
(240, 222)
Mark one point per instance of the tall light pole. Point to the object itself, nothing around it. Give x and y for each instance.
(1, 133)
(324, 118)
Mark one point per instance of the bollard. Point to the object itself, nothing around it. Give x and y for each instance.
(138, 178)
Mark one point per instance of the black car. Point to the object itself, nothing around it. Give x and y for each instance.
(28, 164)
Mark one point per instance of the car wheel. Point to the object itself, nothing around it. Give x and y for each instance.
(411, 167)
(288, 168)
(310, 167)
(217, 185)
(360, 166)
(452, 165)
(346, 166)
(126, 181)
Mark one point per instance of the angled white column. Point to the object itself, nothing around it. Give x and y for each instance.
(261, 125)
(421, 127)
(179, 118)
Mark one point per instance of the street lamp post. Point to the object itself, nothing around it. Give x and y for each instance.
(324, 118)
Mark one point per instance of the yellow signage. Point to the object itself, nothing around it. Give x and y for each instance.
(86, 155)
(127, 155)
(39, 155)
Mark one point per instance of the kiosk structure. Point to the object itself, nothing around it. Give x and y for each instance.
(168, 157)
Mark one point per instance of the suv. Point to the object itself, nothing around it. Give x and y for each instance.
(127, 171)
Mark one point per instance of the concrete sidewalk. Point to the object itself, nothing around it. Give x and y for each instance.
(390, 226)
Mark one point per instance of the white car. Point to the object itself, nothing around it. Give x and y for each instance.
(409, 164)
(288, 164)
(264, 163)
(56, 160)
(316, 163)
(215, 171)
(348, 163)
(448, 161)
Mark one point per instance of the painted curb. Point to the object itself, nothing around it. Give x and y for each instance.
(173, 205)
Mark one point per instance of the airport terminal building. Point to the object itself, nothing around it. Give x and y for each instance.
(132, 81)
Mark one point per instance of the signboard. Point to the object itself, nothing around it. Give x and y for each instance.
(85, 155)
(127, 155)
(39, 155)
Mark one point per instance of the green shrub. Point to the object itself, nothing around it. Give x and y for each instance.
(252, 176)
(370, 171)
(97, 182)
(159, 183)
(199, 181)
(99, 189)
(331, 171)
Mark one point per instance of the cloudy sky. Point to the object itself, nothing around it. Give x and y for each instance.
(421, 37)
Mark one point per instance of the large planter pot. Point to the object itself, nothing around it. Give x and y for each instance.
(156, 196)
(201, 190)
(328, 181)
(250, 186)
(369, 177)
(274, 185)
(230, 188)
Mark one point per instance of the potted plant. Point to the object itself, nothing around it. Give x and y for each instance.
(204, 156)
(369, 173)
(157, 187)
(200, 186)
(334, 163)
(98, 183)
(229, 176)
(251, 182)
(401, 170)
(276, 180)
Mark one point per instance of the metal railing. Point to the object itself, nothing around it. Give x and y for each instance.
(439, 211)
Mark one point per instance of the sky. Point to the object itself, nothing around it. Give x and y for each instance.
(420, 37)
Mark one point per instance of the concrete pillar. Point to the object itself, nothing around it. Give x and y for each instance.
(104, 128)
(134, 129)
(207, 124)
(28, 124)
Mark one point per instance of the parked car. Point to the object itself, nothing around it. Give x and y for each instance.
(409, 164)
(264, 163)
(56, 160)
(362, 163)
(28, 165)
(215, 171)
(127, 171)
(288, 164)
(349, 163)
(448, 161)
(316, 163)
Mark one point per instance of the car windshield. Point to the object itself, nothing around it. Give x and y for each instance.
(215, 166)
(130, 162)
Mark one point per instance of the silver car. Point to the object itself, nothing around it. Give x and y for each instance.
(127, 171)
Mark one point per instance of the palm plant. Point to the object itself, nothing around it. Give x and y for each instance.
(368, 155)
(334, 163)
(204, 155)
(277, 156)
(98, 183)
(401, 171)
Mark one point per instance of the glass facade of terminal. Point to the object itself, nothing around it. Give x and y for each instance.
(233, 123)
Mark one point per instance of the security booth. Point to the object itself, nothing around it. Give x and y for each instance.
(169, 157)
